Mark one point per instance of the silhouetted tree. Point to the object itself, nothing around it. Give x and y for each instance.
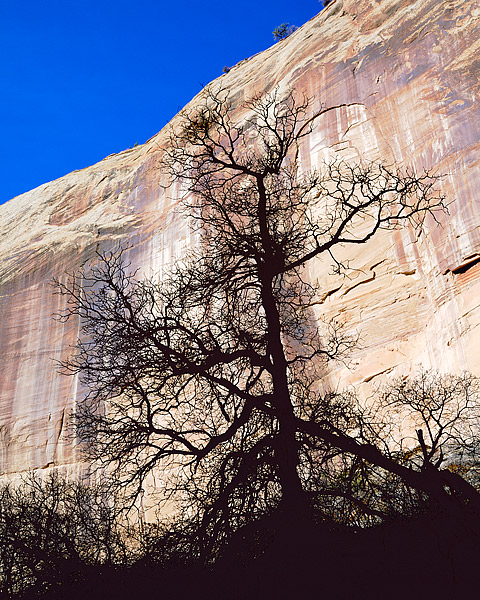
(211, 375)
(429, 424)
(52, 529)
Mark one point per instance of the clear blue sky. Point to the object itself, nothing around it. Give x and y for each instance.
(81, 80)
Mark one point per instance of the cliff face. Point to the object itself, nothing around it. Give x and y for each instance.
(400, 82)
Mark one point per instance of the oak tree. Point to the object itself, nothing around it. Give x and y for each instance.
(210, 376)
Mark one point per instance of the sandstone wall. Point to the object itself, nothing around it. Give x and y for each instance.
(393, 80)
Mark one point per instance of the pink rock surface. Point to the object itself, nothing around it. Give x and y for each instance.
(397, 81)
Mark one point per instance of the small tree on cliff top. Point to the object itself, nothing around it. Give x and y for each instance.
(283, 31)
(212, 373)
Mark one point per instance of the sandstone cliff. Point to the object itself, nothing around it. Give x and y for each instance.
(399, 81)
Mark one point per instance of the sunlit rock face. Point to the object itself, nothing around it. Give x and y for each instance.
(391, 80)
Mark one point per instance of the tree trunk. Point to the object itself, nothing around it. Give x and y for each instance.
(294, 501)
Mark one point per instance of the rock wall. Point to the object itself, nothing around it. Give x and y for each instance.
(392, 80)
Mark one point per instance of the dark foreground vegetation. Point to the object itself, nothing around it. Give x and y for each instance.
(410, 559)
(424, 556)
(214, 378)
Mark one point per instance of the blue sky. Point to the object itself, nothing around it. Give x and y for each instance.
(81, 80)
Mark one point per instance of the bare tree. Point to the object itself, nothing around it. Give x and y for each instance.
(429, 425)
(51, 530)
(211, 374)
(437, 428)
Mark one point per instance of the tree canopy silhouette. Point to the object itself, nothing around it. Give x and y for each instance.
(211, 375)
